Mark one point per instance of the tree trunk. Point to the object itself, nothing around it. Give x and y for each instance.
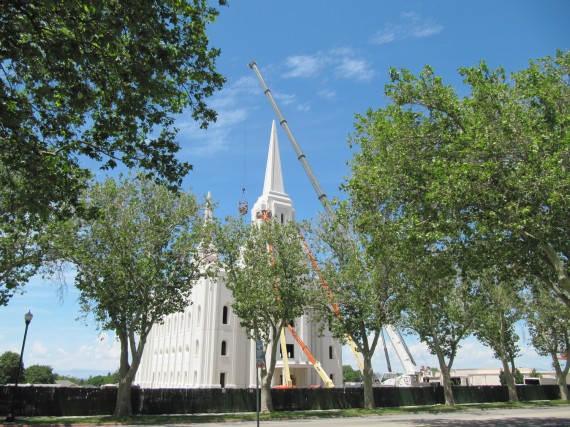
(127, 372)
(268, 371)
(513, 397)
(123, 407)
(445, 378)
(266, 404)
(367, 380)
(560, 376)
(509, 373)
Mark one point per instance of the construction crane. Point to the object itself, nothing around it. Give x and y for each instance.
(316, 364)
(399, 345)
(265, 215)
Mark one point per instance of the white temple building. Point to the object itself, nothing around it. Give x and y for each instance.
(205, 347)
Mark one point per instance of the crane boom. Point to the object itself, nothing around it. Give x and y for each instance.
(401, 349)
(285, 357)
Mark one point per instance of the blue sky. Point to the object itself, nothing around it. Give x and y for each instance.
(324, 61)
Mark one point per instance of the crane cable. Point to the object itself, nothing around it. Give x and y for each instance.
(243, 206)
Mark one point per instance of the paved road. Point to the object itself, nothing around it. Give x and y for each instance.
(527, 417)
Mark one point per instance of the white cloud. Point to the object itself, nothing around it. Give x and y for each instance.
(343, 63)
(410, 25)
(327, 94)
(303, 65)
(291, 100)
(103, 352)
(385, 36)
(357, 68)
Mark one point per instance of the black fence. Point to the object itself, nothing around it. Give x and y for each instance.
(70, 401)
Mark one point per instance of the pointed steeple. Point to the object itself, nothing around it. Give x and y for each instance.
(273, 174)
(273, 200)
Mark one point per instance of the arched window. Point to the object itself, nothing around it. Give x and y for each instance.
(199, 315)
(225, 315)
(197, 348)
(330, 352)
(224, 348)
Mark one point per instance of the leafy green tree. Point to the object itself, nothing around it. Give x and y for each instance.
(496, 323)
(136, 262)
(440, 306)
(362, 287)
(549, 327)
(84, 82)
(479, 179)
(9, 363)
(20, 246)
(351, 375)
(485, 170)
(39, 374)
(99, 380)
(268, 275)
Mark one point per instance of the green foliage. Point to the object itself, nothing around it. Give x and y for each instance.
(483, 176)
(99, 380)
(136, 260)
(361, 278)
(466, 184)
(98, 82)
(362, 291)
(440, 305)
(268, 275)
(548, 322)
(9, 363)
(39, 374)
(351, 375)
(496, 324)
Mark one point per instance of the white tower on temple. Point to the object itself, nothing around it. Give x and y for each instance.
(205, 347)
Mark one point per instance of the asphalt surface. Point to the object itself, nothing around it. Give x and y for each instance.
(524, 417)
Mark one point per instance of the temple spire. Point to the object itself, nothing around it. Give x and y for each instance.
(273, 200)
(273, 174)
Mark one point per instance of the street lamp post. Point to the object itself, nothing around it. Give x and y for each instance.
(27, 318)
